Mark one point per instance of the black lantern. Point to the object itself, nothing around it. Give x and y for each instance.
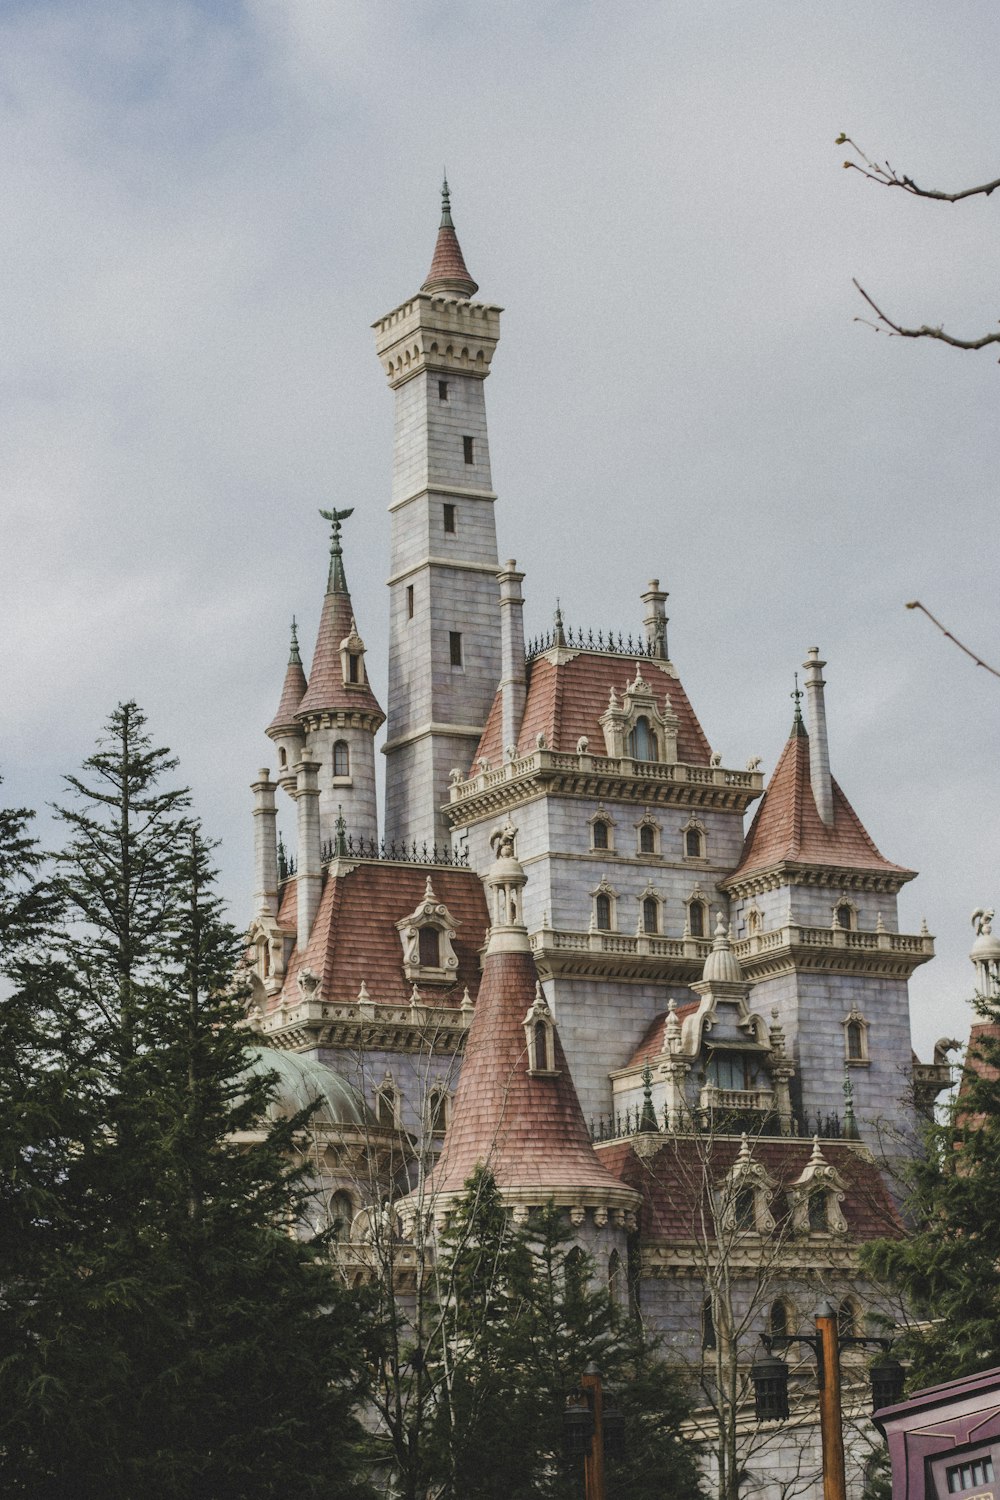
(887, 1377)
(578, 1429)
(614, 1431)
(770, 1388)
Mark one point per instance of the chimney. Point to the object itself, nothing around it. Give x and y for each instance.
(512, 676)
(309, 867)
(819, 750)
(655, 619)
(265, 846)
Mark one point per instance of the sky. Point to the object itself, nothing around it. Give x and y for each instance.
(205, 206)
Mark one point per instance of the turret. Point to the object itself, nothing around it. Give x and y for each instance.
(444, 644)
(285, 729)
(339, 715)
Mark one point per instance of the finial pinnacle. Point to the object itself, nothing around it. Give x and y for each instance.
(336, 582)
(446, 204)
(560, 634)
(293, 656)
(797, 725)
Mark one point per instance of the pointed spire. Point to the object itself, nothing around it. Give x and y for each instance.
(798, 727)
(328, 688)
(448, 274)
(292, 692)
(336, 580)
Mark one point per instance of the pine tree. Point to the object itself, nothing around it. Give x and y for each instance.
(527, 1318)
(947, 1268)
(169, 1335)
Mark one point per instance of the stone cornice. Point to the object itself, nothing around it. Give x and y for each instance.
(366, 1026)
(834, 877)
(429, 332)
(621, 779)
(617, 955)
(809, 1257)
(344, 718)
(457, 564)
(460, 491)
(892, 955)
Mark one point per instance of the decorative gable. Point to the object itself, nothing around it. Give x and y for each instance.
(427, 936)
(636, 727)
(816, 1195)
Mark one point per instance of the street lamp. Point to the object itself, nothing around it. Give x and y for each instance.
(770, 1384)
(591, 1429)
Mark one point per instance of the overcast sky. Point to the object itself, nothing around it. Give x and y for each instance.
(204, 207)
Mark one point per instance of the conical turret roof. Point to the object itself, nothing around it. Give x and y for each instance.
(527, 1129)
(327, 690)
(788, 828)
(448, 272)
(292, 693)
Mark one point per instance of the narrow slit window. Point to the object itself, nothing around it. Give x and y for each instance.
(449, 519)
(469, 449)
(353, 667)
(442, 390)
(409, 601)
(650, 915)
(602, 910)
(855, 1041)
(696, 919)
(455, 647)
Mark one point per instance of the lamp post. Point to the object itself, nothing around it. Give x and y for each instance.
(770, 1382)
(592, 1428)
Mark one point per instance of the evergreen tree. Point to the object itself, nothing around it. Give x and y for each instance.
(947, 1267)
(164, 1333)
(526, 1319)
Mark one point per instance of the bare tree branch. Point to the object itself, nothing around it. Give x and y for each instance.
(916, 604)
(887, 176)
(924, 331)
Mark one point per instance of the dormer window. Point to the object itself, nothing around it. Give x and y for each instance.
(818, 1219)
(341, 759)
(540, 1037)
(353, 667)
(642, 741)
(816, 1195)
(427, 935)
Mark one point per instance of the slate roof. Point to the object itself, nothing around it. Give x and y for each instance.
(672, 1181)
(652, 1043)
(327, 689)
(354, 937)
(788, 828)
(529, 1131)
(566, 701)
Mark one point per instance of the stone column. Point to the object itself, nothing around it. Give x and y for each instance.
(819, 750)
(512, 674)
(265, 846)
(309, 865)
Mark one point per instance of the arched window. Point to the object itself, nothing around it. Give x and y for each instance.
(777, 1320)
(696, 918)
(845, 916)
(753, 921)
(353, 667)
(642, 741)
(846, 1319)
(600, 835)
(855, 1041)
(650, 914)
(437, 1111)
(744, 1214)
(541, 1035)
(385, 1105)
(341, 1214)
(647, 838)
(341, 759)
(708, 1340)
(693, 843)
(818, 1219)
(602, 911)
(430, 948)
(282, 757)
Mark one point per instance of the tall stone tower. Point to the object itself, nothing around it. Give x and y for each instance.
(444, 638)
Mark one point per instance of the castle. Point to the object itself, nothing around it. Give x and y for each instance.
(562, 951)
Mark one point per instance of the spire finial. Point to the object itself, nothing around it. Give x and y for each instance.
(446, 203)
(337, 582)
(560, 634)
(340, 845)
(293, 656)
(797, 725)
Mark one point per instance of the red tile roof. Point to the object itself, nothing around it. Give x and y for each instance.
(327, 688)
(354, 937)
(788, 827)
(528, 1130)
(565, 702)
(292, 693)
(652, 1043)
(673, 1181)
